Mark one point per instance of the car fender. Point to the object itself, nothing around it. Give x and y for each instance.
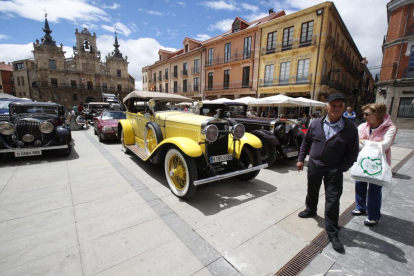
(247, 139)
(129, 136)
(186, 145)
(64, 134)
(267, 135)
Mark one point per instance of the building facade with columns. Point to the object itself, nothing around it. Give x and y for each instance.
(81, 78)
(310, 53)
(395, 87)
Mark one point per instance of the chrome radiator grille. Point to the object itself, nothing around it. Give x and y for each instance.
(23, 128)
(4, 117)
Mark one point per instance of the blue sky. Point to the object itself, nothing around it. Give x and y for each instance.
(145, 26)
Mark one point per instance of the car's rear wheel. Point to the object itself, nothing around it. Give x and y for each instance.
(152, 136)
(123, 145)
(100, 137)
(267, 152)
(250, 157)
(94, 131)
(180, 171)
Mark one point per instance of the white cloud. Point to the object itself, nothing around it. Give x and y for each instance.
(73, 10)
(13, 52)
(202, 37)
(172, 33)
(249, 7)
(182, 4)
(221, 5)
(89, 26)
(113, 7)
(141, 52)
(158, 33)
(2, 36)
(223, 25)
(154, 12)
(119, 27)
(145, 23)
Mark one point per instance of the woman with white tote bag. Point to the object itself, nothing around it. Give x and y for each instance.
(379, 129)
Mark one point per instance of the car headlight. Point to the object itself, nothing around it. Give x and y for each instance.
(294, 129)
(211, 132)
(7, 129)
(280, 131)
(238, 131)
(107, 128)
(46, 127)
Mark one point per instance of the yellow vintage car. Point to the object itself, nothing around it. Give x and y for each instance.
(195, 149)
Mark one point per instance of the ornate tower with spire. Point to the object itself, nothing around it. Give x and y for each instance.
(80, 78)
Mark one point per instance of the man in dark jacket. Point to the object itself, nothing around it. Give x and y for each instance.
(333, 143)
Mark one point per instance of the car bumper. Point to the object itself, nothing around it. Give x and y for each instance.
(37, 148)
(228, 175)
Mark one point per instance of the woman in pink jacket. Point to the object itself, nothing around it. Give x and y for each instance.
(380, 129)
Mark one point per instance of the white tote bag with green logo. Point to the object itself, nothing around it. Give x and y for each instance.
(372, 166)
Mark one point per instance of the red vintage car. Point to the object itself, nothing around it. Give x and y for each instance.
(106, 124)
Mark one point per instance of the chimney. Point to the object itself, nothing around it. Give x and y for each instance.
(271, 11)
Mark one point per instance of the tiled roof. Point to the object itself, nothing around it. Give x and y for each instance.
(6, 67)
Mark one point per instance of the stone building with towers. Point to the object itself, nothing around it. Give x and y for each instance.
(80, 78)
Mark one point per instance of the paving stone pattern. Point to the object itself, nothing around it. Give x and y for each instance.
(102, 212)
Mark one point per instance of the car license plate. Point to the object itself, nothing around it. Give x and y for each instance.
(292, 154)
(23, 153)
(221, 158)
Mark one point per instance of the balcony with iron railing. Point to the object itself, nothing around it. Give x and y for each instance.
(165, 76)
(408, 73)
(159, 78)
(44, 84)
(229, 58)
(174, 75)
(296, 43)
(331, 83)
(229, 85)
(184, 73)
(283, 81)
(195, 70)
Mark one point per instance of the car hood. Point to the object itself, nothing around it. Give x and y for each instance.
(113, 122)
(255, 120)
(184, 117)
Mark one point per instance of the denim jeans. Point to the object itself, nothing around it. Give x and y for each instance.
(374, 199)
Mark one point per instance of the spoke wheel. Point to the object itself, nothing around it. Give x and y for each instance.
(180, 171)
(124, 148)
(152, 137)
(267, 152)
(250, 157)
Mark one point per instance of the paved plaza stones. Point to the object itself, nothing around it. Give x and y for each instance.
(102, 212)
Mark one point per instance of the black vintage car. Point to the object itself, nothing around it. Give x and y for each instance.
(280, 138)
(94, 109)
(34, 127)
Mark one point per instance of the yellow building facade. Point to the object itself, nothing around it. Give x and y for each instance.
(309, 53)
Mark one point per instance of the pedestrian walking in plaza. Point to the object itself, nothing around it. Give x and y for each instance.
(333, 144)
(304, 120)
(350, 114)
(379, 129)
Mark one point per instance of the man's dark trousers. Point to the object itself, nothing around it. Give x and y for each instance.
(333, 181)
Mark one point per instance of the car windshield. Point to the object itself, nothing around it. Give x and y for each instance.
(233, 111)
(113, 115)
(4, 104)
(52, 110)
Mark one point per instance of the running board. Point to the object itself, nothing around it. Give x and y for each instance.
(228, 175)
(141, 153)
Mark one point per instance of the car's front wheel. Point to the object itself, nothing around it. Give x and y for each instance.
(123, 145)
(250, 157)
(180, 171)
(67, 151)
(267, 152)
(152, 136)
